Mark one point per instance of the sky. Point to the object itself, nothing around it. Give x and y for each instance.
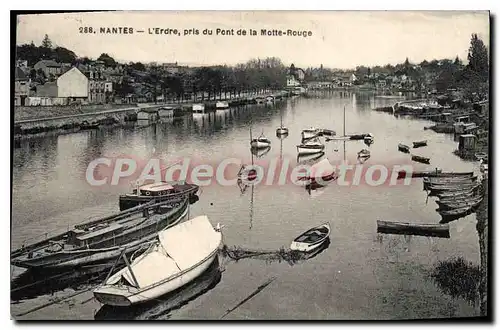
(339, 39)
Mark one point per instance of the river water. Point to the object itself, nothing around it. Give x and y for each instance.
(361, 275)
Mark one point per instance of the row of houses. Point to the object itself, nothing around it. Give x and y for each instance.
(69, 85)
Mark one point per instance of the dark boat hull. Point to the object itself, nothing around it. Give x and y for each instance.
(131, 200)
(109, 248)
(404, 228)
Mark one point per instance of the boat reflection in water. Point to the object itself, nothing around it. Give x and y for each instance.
(309, 159)
(260, 152)
(162, 307)
(32, 284)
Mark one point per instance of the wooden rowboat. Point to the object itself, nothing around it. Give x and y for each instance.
(454, 214)
(311, 239)
(405, 228)
(474, 202)
(420, 159)
(404, 148)
(419, 144)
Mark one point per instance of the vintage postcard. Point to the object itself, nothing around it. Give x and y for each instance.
(250, 165)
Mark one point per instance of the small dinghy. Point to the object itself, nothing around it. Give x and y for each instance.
(311, 147)
(181, 254)
(420, 159)
(364, 153)
(418, 144)
(311, 239)
(282, 130)
(260, 142)
(321, 172)
(310, 133)
(403, 148)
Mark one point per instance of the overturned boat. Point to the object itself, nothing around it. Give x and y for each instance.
(158, 192)
(311, 239)
(102, 239)
(454, 214)
(181, 254)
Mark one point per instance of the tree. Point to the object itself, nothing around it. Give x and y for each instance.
(457, 61)
(478, 57)
(138, 66)
(63, 55)
(108, 60)
(46, 42)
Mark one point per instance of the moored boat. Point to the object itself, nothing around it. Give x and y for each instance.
(86, 125)
(436, 190)
(420, 159)
(437, 173)
(321, 172)
(364, 153)
(311, 239)
(403, 148)
(472, 202)
(260, 142)
(457, 194)
(175, 264)
(103, 239)
(312, 146)
(453, 214)
(418, 144)
(437, 182)
(310, 133)
(158, 192)
(327, 132)
(405, 228)
(221, 105)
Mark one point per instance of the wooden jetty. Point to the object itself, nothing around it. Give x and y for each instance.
(405, 228)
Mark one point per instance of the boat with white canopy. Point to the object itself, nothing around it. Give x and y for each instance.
(181, 254)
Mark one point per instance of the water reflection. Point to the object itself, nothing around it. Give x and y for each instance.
(31, 284)
(162, 307)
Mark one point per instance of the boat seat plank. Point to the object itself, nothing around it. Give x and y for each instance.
(108, 229)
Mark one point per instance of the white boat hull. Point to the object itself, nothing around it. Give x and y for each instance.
(222, 105)
(309, 151)
(116, 296)
(303, 247)
(259, 144)
(308, 135)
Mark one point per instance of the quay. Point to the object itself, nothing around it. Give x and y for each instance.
(121, 115)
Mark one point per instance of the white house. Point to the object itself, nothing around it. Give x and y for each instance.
(72, 84)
